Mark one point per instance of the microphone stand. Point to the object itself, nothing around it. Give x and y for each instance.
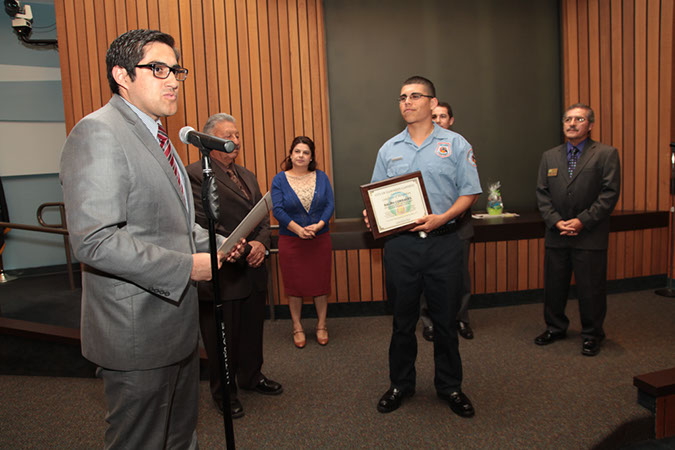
(212, 210)
(669, 291)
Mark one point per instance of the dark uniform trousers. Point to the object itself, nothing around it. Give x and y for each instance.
(433, 265)
(590, 273)
(244, 319)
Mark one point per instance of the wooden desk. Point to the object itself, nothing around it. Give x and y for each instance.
(352, 233)
(507, 255)
(656, 392)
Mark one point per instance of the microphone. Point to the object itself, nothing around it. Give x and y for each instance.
(189, 135)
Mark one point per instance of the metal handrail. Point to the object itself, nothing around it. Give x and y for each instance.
(60, 228)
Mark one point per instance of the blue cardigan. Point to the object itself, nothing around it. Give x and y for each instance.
(287, 206)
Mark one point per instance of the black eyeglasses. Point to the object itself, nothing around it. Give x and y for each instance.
(414, 97)
(162, 71)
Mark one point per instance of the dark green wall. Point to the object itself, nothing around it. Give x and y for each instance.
(496, 62)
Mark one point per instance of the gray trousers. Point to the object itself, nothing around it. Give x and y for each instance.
(153, 409)
(463, 313)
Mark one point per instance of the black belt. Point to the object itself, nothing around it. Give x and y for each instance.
(443, 229)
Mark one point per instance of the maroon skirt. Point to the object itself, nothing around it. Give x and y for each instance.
(305, 265)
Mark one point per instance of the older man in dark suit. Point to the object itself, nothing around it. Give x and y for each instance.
(577, 189)
(243, 284)
(132, 226)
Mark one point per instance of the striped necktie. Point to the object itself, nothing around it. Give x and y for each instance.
(235, 179)
(572, 163)
(166, 148)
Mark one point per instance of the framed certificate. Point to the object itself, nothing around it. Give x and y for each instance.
(394, 204)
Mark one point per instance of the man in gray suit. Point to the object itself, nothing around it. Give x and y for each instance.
(577, 189)
(131, 221)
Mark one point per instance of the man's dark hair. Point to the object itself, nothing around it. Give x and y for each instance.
(421, 80)
(446, 105)
(286, 164)
(128, 49)
(591, 114)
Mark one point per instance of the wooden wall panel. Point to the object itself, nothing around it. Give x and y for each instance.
(262, 61)
(618, 58)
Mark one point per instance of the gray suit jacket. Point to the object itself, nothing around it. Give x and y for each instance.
(590, 195)
(130, 228)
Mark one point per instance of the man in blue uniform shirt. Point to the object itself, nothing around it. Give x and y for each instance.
(429, 264)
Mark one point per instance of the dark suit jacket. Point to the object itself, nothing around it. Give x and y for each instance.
(237, 280)
(590, 195)
(130, 227)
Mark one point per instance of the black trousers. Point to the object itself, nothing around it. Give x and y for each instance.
(433, 265)
(244, 321)
(590, 273)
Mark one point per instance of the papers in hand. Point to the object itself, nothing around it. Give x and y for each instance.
(252, 219)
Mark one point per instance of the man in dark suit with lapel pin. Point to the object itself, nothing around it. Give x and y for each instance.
(243, 284)
(577, 189)
(131, 222)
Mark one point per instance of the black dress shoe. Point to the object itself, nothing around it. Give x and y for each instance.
(392, 399)
(459, 403)
(428, 333)
(591, 346)
(547, 337)
(236, 408)
(464, 330)
(267, 387)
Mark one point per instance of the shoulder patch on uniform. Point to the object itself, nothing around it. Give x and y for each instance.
(443, 149)
(553, 172)
(471, 158)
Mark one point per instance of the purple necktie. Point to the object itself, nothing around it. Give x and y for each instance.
(572, 163)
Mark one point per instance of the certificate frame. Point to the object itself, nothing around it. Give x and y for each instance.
(393, 205)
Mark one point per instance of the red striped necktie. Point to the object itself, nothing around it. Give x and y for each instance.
(166, 147)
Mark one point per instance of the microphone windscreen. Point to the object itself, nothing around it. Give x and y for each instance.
(183, 134)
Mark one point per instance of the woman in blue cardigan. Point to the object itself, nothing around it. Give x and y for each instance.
(303, 204)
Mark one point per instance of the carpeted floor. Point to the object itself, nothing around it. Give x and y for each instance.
(525, 396)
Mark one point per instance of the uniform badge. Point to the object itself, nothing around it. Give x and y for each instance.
(471, 158)
(553, 172)
(443, 149)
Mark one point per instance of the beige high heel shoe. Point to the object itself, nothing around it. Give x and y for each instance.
(322, 335)
(299, 338)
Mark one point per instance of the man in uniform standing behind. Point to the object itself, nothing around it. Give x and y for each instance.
(428, 262)
(442, 115)
(577, 189)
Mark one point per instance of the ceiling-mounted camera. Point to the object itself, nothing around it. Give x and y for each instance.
(22, 23)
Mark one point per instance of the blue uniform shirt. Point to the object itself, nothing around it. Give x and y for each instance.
(445, 159)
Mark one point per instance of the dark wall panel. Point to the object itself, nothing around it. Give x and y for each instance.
(497, 63)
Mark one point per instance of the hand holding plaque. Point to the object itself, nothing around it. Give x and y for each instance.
(393, 205)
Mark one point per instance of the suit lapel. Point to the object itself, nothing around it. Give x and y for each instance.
(563, 164)
(151, 145)
(225, 179)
